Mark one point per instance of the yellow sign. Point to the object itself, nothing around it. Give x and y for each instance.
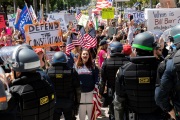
(144, 80)
(59, 75)
(44, 100)
(108, 13)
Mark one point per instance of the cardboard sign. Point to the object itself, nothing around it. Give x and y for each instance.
(108, 13)
(2, 21)
(168, 3)
(162, 19)
(64, 19)
(11, 19)
(43, 35)
(83, 20)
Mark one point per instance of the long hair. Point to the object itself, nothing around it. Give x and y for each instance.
(88, 64)
(103, 47)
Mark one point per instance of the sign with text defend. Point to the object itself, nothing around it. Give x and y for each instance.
(43, 35)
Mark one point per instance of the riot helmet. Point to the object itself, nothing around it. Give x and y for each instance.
(175, 34)
(26, 45)
(24, 59)
(59, 57)
(115, 47)
(144, 41)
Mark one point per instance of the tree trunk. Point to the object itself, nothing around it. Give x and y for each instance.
(47, 6)
(35, 6)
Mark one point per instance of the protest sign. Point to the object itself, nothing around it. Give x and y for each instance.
(64, 19)
(50, 55)
(43, 35)
(162, 19)
(83, 20)
(70, 18)
(2, 21)
(11, 19)
(128, 12)
(108, 13)
(138, 17)
(168, 3)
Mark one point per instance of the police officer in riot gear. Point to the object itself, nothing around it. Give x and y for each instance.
(167, 93)
(114, 60)
(67, 87)
(135, 83)
(32, 97)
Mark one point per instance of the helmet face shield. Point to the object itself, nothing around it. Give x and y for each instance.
(7, 51)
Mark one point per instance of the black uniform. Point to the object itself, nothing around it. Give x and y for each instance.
(32, 99)
(135, 85)
(108, 73)
(167, 91)
(67, 87)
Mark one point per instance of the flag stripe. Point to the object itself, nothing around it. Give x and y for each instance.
(96, 111)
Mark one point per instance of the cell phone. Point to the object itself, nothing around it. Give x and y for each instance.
(131, 17)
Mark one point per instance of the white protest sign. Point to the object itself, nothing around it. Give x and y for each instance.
(64, 19)
(162, 19)
(138, 17)
(58, 17)
(11, 19)
(128, 12)
(70, 18)
(83, 20)
(43, 35)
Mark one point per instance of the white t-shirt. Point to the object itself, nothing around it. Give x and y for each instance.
(130, 34)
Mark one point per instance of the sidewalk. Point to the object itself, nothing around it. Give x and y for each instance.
(103, 117)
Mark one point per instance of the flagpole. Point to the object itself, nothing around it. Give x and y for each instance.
(28, 11)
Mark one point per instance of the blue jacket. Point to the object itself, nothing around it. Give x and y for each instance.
(88, 78)
(169, 89)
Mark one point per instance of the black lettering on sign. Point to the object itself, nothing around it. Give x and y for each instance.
(50, 26)
(43, 27)
(31, 28)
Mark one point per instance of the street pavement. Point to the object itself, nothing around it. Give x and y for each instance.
(104, 115)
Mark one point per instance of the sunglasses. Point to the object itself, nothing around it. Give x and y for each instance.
(62, 46)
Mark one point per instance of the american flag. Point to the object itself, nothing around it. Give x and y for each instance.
(79, 14)
(96, 111)
(69, 45)
(82, 32)
(75, 40)
(91, 39)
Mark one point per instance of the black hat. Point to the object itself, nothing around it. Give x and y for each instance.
(102, 42)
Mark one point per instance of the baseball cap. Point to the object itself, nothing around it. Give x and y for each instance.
(127, 49)
(38, 50)
(102, 42)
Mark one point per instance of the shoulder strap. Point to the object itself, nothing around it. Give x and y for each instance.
(162, 68)
(176, 60)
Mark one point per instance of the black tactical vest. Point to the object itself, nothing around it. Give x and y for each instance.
(62, 77)
(112, 65)
(139, 82)
(35, 98)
